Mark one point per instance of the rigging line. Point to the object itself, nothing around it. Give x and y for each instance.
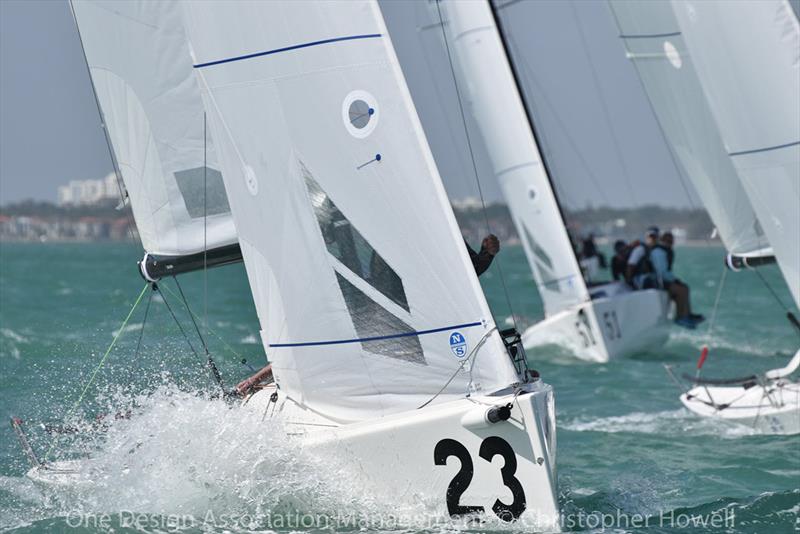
(472, 158)
(771, 290)
(603, 104)
(114, 162)
(205, 226)
(714, 310)
(185, 303)
(177, 322)
(209, 359)
(532, 80)
(141, 334)
(97, 368)
(461, 365)
(440, 96)
(214, 333)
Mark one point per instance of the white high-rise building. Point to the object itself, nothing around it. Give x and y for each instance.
(88, 192)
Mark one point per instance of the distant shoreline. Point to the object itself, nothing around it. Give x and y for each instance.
(46, 222)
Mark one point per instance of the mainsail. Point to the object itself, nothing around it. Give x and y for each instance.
(747, 56)
(153, 114)
(488, 83)
(656, 46)
(368, 301)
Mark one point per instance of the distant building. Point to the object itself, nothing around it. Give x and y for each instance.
(89, 192)
(467, 203)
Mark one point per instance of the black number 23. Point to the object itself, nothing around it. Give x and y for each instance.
(491, 447)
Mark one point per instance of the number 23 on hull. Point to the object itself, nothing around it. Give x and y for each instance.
(452, 458)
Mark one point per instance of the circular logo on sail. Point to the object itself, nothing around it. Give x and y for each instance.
(251, 180)
(360, 113)
(458, 344)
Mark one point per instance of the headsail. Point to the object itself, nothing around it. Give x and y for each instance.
(656, 46)
(142, 73)
(747, 55)
(487, 80)
(362, 283)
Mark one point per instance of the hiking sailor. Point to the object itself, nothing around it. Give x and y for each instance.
(619, 261)
(490, 246)
(639, 271)
(661, 259)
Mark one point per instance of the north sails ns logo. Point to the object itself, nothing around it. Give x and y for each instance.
(458, 344)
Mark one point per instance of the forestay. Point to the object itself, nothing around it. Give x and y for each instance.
(487, 81)
(153, 112)
(655, 45)
(368, 301)
(748, 58)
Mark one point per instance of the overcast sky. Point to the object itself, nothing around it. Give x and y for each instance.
(50, 134)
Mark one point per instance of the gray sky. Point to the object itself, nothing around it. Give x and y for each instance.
(50, 134)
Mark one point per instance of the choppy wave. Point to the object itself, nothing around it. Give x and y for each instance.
(133, 327)
(719, 342)
(184, 454)
(665, 423)
(250, 339)
(13, 336)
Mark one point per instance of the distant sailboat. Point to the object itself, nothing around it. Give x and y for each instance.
(724, 80)
(382, 344)
(600, 322)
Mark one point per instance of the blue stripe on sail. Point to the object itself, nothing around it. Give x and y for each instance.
(650, 35)
(375, 338)
(287, 48)
(765, 149)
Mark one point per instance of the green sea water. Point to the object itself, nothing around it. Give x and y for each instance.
(626, 447)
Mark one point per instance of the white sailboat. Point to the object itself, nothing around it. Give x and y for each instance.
(383, 347)
(384, 351)
(734, 125)
(597, 323)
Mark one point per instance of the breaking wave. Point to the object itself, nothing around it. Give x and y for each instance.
(677, 422)
(191, 458)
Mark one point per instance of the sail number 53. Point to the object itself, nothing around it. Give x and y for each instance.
(490, 447)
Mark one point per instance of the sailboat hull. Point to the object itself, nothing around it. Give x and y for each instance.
(617, 322)
(770, 409)
(446, 459)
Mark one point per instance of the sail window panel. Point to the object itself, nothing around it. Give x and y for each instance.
(360, 114)
(345, 243)
(203, 192)
(371, 320)
(543, 263)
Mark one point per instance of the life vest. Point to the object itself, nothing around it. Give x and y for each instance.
(645, 265)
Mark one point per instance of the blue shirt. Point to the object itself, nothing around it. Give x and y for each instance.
(660, 261)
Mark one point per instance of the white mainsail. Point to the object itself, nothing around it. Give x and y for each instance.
(655, 44)
(747, 56)
(489, 86)
(366, 295)
(152, 109)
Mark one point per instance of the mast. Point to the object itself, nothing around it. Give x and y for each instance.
(528, 113)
